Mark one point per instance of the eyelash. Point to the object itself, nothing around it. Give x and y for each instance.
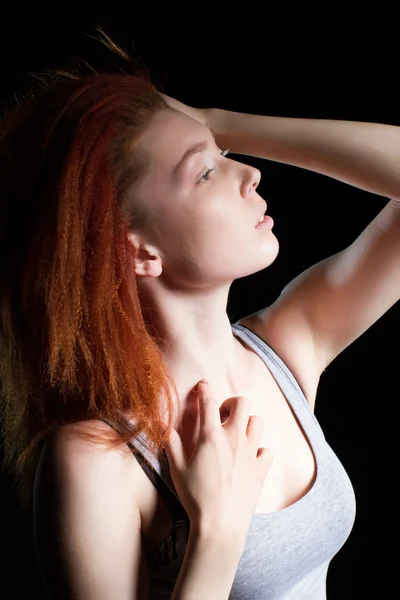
(207, 173)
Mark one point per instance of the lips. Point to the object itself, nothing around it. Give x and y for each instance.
(261, 214)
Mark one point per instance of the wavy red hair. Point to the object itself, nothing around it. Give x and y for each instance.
(74, 340)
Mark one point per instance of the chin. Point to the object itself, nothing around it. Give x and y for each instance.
(270, 249)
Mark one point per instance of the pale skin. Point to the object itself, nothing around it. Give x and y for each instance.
(203, 239)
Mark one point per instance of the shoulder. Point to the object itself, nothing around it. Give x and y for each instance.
(87, 512)
(77, 459)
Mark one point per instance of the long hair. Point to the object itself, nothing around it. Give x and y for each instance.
(74, 341)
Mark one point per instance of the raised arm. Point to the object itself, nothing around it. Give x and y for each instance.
(365, 155)
(331, 304)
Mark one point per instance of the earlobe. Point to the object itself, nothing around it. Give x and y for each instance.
(148, 269)
(148, 261)
(147, 265)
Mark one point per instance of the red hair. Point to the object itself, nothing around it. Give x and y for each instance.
(74, 342)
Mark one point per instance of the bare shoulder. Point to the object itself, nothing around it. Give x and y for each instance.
(72, 440)
(290, 337)
(72, 458)
(87, 519)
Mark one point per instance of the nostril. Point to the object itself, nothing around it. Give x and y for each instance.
(224, 414)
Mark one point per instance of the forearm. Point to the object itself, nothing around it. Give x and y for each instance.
(366, 155)
(208, 569)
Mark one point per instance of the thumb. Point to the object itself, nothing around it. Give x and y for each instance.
(174, 450)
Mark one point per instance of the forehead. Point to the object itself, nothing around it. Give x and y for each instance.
(170, 134)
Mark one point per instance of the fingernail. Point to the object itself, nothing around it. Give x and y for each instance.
(197, 387)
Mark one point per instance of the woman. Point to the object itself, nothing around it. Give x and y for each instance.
(145, 480)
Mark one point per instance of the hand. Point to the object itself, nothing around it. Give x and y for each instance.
(200, 114)
(220, 482)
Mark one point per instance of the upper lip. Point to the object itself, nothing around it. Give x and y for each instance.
(262, 213)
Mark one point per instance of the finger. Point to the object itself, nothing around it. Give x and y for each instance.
(239, 409)
(174, 451)
(255, 428)
(190, 423)
(209, 413)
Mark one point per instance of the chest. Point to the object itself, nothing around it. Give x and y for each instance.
(293, 468)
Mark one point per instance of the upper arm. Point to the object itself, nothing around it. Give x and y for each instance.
(331, 304)
(87, 525)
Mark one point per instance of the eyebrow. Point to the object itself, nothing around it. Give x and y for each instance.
(200, 147)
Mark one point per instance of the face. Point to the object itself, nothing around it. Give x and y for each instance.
(206, 206)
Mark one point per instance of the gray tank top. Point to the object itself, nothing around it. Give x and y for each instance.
(287, 553)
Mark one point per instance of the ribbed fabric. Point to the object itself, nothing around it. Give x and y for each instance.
(287, 553)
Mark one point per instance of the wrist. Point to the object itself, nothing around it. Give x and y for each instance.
(216, 121)
(208, 568)
(217, 539)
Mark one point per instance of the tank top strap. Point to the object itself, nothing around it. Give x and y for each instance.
(157, 470)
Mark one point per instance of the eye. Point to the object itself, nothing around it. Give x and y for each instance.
(207, 173)
(205, 176)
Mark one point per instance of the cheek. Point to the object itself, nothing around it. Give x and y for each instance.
(214, 243)
(196, 244)
(201, 233)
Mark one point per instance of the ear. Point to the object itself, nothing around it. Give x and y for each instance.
(148, 262)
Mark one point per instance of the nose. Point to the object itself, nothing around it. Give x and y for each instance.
(250, 181)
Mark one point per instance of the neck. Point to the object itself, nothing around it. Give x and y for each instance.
(196, 340)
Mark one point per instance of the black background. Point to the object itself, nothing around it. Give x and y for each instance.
(330, 63)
